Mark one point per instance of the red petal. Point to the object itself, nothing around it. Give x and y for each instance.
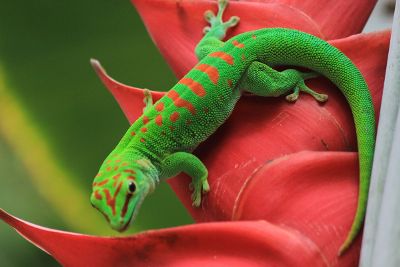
(183, 21)
(312, 192)
(213, 244)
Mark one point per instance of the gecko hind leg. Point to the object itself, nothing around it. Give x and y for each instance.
(301, 86)
(216, 32)
(262, 80)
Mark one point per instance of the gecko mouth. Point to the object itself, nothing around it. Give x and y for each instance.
(123, 227)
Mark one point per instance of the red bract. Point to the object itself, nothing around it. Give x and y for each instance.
(272, 160)
(214, 244)
(176, 26)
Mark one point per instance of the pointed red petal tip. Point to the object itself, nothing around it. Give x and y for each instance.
(131, 99)
(212, 244)
(184, 22)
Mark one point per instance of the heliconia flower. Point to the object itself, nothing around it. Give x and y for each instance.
(291, 165)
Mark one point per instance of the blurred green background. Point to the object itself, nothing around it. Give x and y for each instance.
(57, 120)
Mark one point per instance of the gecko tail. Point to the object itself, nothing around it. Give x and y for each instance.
(291, 47)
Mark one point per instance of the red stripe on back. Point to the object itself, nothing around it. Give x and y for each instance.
(181, 103)
(194, 86)
(237, 44)
(211, 71)
(222, 55)
(97, 195)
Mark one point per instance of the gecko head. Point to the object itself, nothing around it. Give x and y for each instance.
(120, 188)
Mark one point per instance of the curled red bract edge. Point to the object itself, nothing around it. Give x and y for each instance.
(256, 243)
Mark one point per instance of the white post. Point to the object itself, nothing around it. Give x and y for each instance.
(381, 240)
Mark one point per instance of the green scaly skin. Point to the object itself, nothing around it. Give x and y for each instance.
(159, 144)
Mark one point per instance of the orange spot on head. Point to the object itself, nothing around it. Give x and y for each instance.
(143, 130)
(116, 168)
(98, 175)
(174, 116)
(116, 176)
(142, 140)
(254, 36)
(145, 119)
(130, 171)
(131, 177)
(102, 182)
(133, 133)
(97, 195)
(237, 44)
(111, 199)
(109, 168)
(118, 160)
(124, 164)
(159, 106)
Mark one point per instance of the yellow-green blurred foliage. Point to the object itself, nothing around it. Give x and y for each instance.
(58, 122)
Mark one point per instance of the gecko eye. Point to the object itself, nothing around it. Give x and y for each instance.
(132, 187)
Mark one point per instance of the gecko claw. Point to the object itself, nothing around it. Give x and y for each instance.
(218, 27)
(198, 187)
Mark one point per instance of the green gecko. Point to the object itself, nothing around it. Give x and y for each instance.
(159, 144)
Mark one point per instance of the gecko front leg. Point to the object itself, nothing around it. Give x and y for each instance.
(216, 32)
(188, 163)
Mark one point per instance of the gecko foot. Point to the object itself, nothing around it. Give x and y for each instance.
(302, 87)
(218, 27)
(199, 186)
